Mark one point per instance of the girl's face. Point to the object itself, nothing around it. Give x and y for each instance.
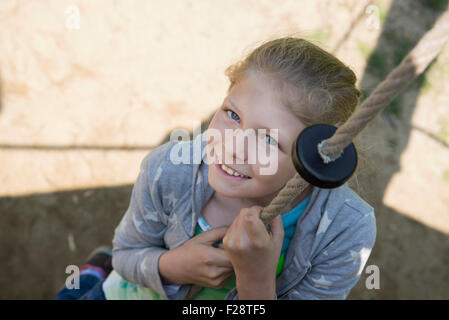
(252, 104)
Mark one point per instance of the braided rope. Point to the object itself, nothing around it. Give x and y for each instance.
(413, 64)
(294, 187)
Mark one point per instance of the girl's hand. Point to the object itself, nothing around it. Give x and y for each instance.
(254, 253)
(197, 261)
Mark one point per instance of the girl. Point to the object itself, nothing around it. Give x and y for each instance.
(167, 239)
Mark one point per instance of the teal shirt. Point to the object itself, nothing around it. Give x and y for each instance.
(289, 220)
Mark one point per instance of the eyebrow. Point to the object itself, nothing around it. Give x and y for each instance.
(259, 126)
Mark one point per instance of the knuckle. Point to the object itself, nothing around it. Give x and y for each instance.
(228, 243)
(216, 283)
(249, 221)
(248, 215)
(255, 210)
(212, 274)
(240, 250)
(206, 259)
(235, 245)
(258, 244)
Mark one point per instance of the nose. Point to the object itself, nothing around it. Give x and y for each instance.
(236, 146)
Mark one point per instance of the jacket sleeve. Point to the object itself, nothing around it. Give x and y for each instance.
(336, 269)
(138, 241)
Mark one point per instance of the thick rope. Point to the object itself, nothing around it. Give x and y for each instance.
(413, 64)
(294, 187)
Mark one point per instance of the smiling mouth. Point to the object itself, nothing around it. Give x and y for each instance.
(227, 172)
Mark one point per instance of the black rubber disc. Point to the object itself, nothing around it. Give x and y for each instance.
(310, 165)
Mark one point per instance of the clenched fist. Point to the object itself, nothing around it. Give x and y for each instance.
(254, 253)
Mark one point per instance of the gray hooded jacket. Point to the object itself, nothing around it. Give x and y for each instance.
(333, 240)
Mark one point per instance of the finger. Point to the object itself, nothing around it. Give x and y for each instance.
(225, 277)
(218, 281)
(212, 236)
(277, 229)
(239, 219)
(225, 272)
(254, 225)
(219, 257)
(234, 231)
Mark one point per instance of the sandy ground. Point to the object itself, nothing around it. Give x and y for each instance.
(89, 88)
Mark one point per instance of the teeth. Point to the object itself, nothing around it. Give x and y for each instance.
(232, 172)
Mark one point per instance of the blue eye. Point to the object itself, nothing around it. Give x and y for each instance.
(235, 115)
(274, 141)
(237, 118)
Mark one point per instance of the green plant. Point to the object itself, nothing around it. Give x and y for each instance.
(394, 107)
(320, 35)
(364, 49)
(377, 65)
(435, 5)
(392, 143)
(446, 175)
(443, 133)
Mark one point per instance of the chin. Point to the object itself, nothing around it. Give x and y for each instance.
(222, 187)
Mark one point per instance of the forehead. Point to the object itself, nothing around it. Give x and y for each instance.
(255, 86)
(257, 90)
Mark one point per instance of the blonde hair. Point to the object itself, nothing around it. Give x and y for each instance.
(312, 83)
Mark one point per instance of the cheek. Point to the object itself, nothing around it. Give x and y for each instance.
(276, 172)
(214, 131)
